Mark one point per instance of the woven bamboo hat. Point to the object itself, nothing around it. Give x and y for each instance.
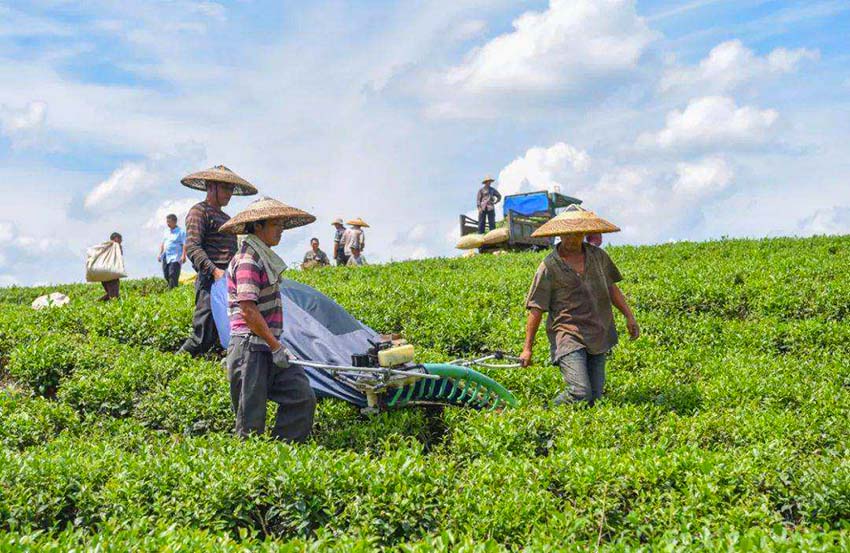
(487, 179)
(358, 222)
(574, 220)
(219, 173)
(263, 209)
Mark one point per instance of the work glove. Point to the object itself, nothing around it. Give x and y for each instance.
(280, 357)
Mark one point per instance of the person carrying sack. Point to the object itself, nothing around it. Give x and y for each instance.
(257, 363)
(577, 285)
(354, 237)
(209, 249)
(105, 264)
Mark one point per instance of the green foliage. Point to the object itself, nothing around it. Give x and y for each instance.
(723, 428)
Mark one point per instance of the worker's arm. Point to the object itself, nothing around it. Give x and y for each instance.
(497, 194)
(618, 299)
(531, 325)
(257, 324)
(161, 249)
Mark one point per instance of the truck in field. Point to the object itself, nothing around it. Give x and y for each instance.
(523, 214)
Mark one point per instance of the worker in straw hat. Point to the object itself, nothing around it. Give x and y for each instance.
(576, 285)
(209, 249)
(257, 363)
(486, 202)
(339, 247)
(354, 236)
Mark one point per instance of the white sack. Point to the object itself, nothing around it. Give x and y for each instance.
(104, 262)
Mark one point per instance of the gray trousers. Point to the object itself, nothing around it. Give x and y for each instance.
(584, 375)
(204, 333)
(255, 379)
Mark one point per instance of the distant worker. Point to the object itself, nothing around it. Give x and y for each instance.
(339, 247)
(576, 285)
(315, 257)
(354, 236)
(355, 259)
(209, 249)
(111, 287)
(486, 202)
(172, 251)
(257, 363)
(594, 239)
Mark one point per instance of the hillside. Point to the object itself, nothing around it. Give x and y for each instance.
(723, 426)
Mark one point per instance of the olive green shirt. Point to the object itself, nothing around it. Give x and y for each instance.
(579, 307)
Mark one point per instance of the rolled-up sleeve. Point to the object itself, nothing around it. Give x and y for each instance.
(612, 273)
(540, 293)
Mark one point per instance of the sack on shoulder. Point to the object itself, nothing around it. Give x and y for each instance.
(104, 262)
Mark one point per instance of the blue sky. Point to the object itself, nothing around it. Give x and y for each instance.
(677, 120)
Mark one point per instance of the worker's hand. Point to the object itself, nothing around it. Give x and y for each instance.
(217, 273)
(159, 258)
(280, 357)
(634, 329)
(183, 259)
(525, 358)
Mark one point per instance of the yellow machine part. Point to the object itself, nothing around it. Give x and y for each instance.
(396, 356)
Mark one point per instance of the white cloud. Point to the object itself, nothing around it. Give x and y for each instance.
(833, 220)
(713, 121)
(542, 168)
(705, 177)
(122, 185)
(24, 125)
(730, 64)
(579, 48)
(178, 207)
(7, 232)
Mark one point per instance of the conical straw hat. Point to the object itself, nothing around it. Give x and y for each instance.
(263, 209)
(487, 179)
(574, 220)
(219, 173)
(358, 222)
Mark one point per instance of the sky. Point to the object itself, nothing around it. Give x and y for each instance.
(686, 120)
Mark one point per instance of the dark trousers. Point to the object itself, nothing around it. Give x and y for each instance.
(204, 334)
(341, 259)
(486, 216)
(254, 380)
(111, 289)
(171, 273)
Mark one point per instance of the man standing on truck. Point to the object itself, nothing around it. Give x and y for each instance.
(486, 202)
(209, 249)
(577, 285)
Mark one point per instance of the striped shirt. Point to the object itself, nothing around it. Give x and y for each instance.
(205, 245)
(248, 281)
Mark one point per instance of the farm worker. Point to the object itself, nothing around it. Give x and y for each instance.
(354, 237)
(486, 202)
(209, 249)
(355, 259)
(111, 287)
(257, 363)
(314, 256)
(339, 247)
(172, 251)
(576, 285)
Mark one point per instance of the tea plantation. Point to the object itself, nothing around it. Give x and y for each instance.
(724, 427)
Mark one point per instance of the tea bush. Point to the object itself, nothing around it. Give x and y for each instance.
(723, 428)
